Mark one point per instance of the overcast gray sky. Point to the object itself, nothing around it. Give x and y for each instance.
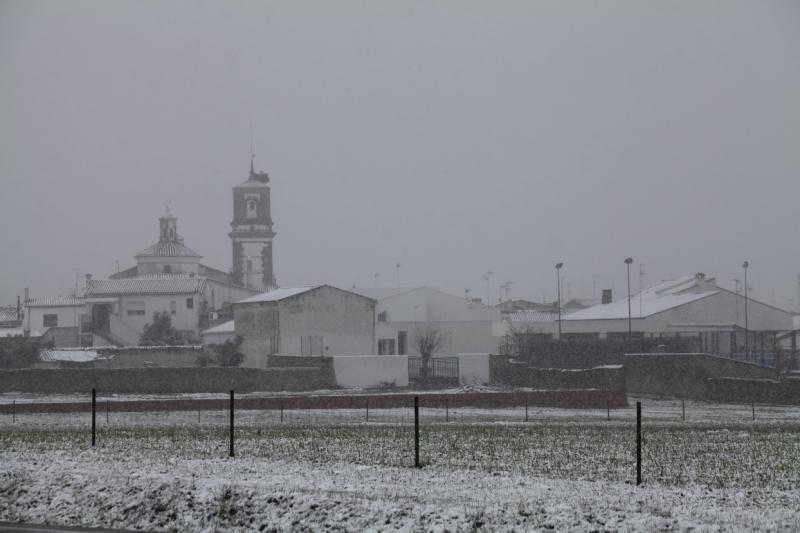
(453, 137)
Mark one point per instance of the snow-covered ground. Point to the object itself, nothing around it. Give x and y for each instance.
(565, 469)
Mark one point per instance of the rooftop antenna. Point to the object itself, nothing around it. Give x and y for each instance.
(252, 155)
(488, 279)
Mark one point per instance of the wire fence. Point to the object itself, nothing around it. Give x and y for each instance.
(679, 442)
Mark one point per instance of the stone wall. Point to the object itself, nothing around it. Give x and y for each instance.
(504, 371)
(162, 380)
(735, 390)
(685, 375)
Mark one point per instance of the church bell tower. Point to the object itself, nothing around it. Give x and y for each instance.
(251, 232)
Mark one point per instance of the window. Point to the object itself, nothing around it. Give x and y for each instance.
(173, 307)
(273, 344)
(383, 316)
(385, 346)
(252, 208)
(189, 303)
(50, 321)
(135, 308)
(311, 345)
(167, 269)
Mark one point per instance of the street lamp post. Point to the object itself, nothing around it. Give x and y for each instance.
(558, 292)
(746, 334)
(628, 262)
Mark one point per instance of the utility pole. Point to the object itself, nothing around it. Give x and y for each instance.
(628, 262)
(558, 293)
(488, 279)
(746, 335)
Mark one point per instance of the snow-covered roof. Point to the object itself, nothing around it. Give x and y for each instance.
(147, 285)
(74, 356)
(381, 293)
(225, 327)
(277, 294)
(531, 315)
(55, 301)
(656, 299)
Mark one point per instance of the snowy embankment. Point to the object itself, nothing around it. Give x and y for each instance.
(91, 489)
(566, 469)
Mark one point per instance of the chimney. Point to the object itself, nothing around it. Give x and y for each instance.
(606, 296)
(27, 294)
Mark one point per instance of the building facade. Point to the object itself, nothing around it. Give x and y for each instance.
(402, 314)
(310, 321)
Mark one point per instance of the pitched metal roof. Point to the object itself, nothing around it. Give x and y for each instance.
(277, 294)
(168, 249)
(147, 285)
(55, 301)
(652, 300)
(532, 315)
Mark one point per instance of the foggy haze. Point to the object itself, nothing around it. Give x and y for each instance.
(453, 138)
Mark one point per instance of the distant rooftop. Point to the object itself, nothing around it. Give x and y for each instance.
(277, 294)
(652, 300)
(56, 301)
(147, 285)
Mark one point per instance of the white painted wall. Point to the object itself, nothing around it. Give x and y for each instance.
(68, 316)
(459, 337)
(370, 371)
(473, 368)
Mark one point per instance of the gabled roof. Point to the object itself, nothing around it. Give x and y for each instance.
(168, 249)
(56, 301)
(161, 284)
(655, 299)
(277, 294)
(532, 315)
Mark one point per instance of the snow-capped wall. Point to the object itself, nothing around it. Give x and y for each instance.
(473, 368)
(371, 371)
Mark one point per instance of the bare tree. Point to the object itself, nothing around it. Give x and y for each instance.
(428, 341)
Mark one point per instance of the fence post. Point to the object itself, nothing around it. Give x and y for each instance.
(106, 411)
(281, 411)
(416, 431)
(526, 407)
(638, 443)
(683, 410)
(14, 411)
(446, 410)
(231, 426)
(367, 409)
(608, 410)
(198, 415)
(753, 406)
(94, 414)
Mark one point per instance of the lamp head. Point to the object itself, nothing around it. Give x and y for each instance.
(628, 260)
(745, 264)
(559, 265)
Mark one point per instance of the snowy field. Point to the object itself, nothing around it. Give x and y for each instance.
(318, 469)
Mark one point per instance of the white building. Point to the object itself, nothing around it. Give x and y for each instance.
(311, 321)
(690, 307)
(466, 326)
